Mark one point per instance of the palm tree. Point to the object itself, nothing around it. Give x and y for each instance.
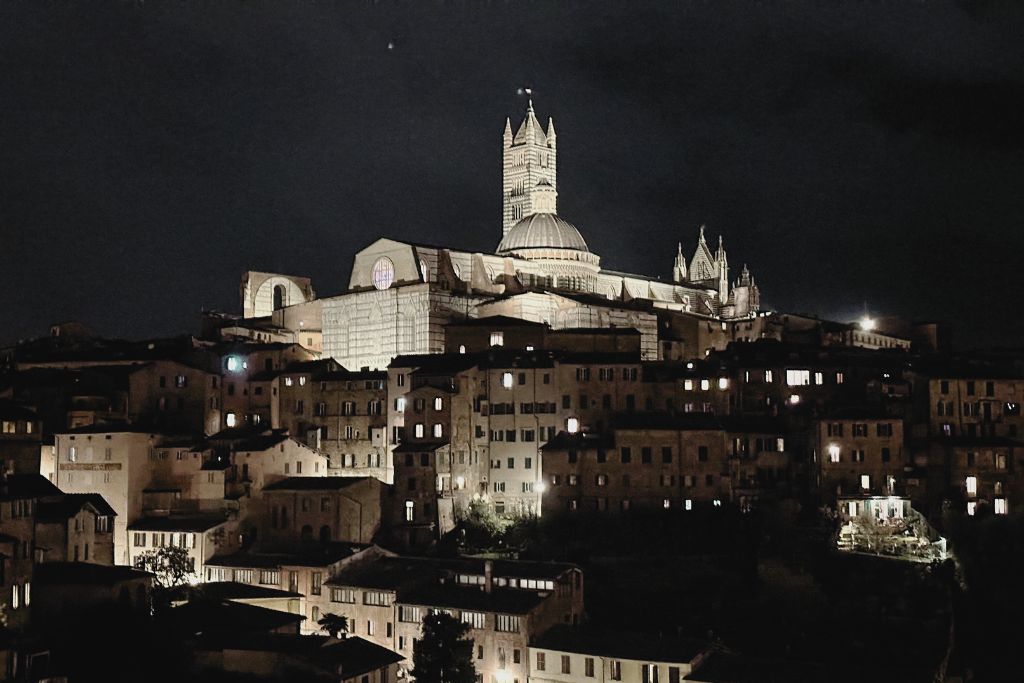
(335, 625)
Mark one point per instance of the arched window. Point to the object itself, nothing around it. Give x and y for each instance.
(306, 533)
(325, 534)
(279, 301)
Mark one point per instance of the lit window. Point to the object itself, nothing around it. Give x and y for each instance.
(797, 378)
(1000, 509)
(705, 384)
(972, 486)
(230, 419)
(410, 510)
(383, 273)
(529, 348)
(438, 403)
(506, 380)
(688, 384)
(780, 444)
(497, 338)
(462, 348)
(437, 430)
(769, 376)
(400, 405)
(794, 399)
(723, 382)
(572, 425)
(865, 481)
(833, 452)
(288, 381)
(819, 378)
(688, 504)
(419, 430)
(972, 506)
(233, 364)
(302, 381)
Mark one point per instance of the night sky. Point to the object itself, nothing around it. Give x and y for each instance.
(151, 152)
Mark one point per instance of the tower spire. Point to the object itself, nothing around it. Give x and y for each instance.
(679, 267)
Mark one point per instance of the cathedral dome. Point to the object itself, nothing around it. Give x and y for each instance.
(542, 231)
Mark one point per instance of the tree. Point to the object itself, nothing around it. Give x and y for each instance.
(335, 625)
(171, 565)
(443, 654)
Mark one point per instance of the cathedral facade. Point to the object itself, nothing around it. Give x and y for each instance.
(401, 295)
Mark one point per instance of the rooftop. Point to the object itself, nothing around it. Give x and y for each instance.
(315, 556)
(63, 507)
(621, 644)
(315, 483)
(193, 523)
(84, 573)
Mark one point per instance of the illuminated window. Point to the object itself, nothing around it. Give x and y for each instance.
(688, 504)
(798, 378)
(400, 405)
(865, 481)
(972, 486)
(437, 430)
(723, 382)
(769, 377)
(572, 425)
(72, 454)
(705, 384)
(972, 507)
(230, 419)
(688, 384)
(419, 430)
(288, 381)
(794, 399)
(410, 510)
(438, 403)
(1000, 509)
(233, 364)
(383, 273)
(497, 338)
(819, 378)
(780, 444)
(507, 380)
(462, 348)
(833, 452)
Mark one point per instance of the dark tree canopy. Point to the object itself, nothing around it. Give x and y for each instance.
(443, 654)
(334, 625)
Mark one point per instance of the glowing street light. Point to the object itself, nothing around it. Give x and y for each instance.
(867, 323)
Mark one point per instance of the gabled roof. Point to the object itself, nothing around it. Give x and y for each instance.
(20, 486)
(67, 505)
(343, 659)
(227, 617)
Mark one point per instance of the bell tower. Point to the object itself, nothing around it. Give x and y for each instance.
(529, 166)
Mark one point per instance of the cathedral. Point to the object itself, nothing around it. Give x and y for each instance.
(401, 294)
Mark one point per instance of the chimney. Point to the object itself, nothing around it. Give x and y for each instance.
(488, 575)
